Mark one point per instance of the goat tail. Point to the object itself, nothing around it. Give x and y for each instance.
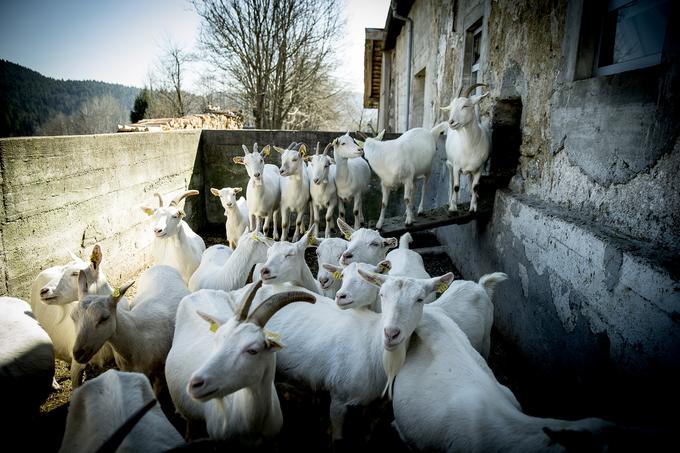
(489, 282)
(439, 129)
(405, 240)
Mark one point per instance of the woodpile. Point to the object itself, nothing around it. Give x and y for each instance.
(221, 120)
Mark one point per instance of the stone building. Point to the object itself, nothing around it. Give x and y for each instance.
(584, 109)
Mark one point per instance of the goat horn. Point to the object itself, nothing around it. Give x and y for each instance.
(255, 147)
(160, 199)
(472, 88)
(243, 310)
(318, 145)
(182, 196)
(325, 150)
(269, 307)
(361, 134)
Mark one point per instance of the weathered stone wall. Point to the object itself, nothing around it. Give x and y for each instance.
(589, 233)
(72, 192)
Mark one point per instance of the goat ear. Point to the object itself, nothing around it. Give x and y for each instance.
(390, 243)
(239, 160)
(303, 150)
(331, 267)
(147, 210)
(246, 151)
(238, 190)
(273, 341)
(447, 108)
(384, 267)
(266, 150)
(118, 293)
(82, 285)
(214, 191)
(214, 322)
(478, 97)
(278, 149)
(441, 284)
(345, 229)
(96, 256)
(380, 135)
(372, 278)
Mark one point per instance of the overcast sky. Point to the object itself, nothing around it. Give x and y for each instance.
(118, 41)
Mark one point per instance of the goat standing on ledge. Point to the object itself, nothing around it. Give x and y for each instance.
(468, 144)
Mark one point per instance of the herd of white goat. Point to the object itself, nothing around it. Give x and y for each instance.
(205, 343)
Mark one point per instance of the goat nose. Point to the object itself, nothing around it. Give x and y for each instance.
(323, 280)
(347, 256)
(392, 332)
(257, 175)
(44, 291)
(196, 383)
(158, 230)
(281, 171)
(341, 296)
(316, 180)
(265, 271)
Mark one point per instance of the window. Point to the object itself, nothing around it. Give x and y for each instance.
(632, 36)
(418, 100)
(473, 54)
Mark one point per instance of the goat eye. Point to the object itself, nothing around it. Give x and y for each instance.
(374, 244)
(420, 300)
(103, 319)
(251, 351)
(74, 274)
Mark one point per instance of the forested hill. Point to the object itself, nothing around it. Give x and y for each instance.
(28, 99)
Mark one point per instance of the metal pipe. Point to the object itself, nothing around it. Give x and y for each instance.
(393, 6)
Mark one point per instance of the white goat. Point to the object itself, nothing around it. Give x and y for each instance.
(329, 251)
(468, 144)
(221, 373)
(213, 259)
(175, 244)
(400, 162)
(104, 404)
(236, 212)
(352, 176)
(26, 361)
(233, 273)
(447, 399)
(355, 291)
(54, 294)
(405, 262)
(341, 351)
(286, 263)
(365, 246)
(263, 194)
(294, 188)
(140, 337)
(323, 192)
(469, 304)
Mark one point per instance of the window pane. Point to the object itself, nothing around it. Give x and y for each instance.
(633, 31)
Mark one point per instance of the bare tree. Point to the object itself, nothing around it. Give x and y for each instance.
(171, 72)
(276, 53)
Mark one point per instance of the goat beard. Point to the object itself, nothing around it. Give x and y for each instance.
(393, 361)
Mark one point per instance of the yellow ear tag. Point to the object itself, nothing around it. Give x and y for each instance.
(312, 240)
(254, 237)
(442, 287)
(347, 235)
(337, 275)
(116, 292)
(213, 327)
(272, 336)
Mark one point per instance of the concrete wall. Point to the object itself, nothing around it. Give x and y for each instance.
(72, 192)
(589, 231)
